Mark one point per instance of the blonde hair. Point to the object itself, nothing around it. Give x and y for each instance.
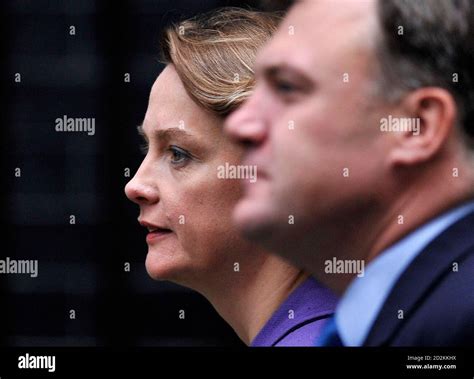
(214, 54)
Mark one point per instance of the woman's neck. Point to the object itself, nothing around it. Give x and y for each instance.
(247, 300)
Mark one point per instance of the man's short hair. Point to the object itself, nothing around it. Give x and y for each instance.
(429, 43)
(276, 5)
(425, 43)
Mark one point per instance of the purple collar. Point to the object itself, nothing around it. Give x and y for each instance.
(298, 321)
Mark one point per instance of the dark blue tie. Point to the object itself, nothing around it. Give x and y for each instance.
(329, 335)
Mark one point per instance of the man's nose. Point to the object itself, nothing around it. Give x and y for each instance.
(246, 125)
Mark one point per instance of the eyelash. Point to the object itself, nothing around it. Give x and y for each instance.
(144, 148)
(186, 156)
(285, 90)
(280, 87)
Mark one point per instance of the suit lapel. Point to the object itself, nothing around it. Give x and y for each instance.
(435, 261)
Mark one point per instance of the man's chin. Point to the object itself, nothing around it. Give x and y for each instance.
(253, 220)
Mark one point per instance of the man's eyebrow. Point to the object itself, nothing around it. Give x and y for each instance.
(273, 70)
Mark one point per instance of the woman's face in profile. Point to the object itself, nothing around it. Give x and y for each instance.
(182, 201)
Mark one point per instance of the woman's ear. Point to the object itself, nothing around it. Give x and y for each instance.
(428, 117)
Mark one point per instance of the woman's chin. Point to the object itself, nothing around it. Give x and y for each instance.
(161, 267)
(160, 271)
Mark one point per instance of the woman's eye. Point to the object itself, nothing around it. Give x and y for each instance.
(178, 155)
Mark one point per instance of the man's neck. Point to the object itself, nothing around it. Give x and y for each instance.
(366, 238)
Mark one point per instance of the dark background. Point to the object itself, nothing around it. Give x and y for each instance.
(81, 266)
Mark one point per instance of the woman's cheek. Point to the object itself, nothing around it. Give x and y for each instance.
(199, 221)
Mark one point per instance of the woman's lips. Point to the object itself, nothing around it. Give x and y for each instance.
(155, 232)
(157, 235)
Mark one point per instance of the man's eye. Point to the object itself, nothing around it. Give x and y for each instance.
(178, 155)
(285, 87)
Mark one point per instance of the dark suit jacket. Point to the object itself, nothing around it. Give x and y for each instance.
(437, 301)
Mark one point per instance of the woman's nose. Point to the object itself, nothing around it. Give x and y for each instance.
(141, 188)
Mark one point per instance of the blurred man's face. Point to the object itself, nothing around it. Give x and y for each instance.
(311, 126)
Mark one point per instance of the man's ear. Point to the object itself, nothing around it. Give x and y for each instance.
(431, 112)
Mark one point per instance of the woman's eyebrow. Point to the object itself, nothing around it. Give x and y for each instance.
(165, 134)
